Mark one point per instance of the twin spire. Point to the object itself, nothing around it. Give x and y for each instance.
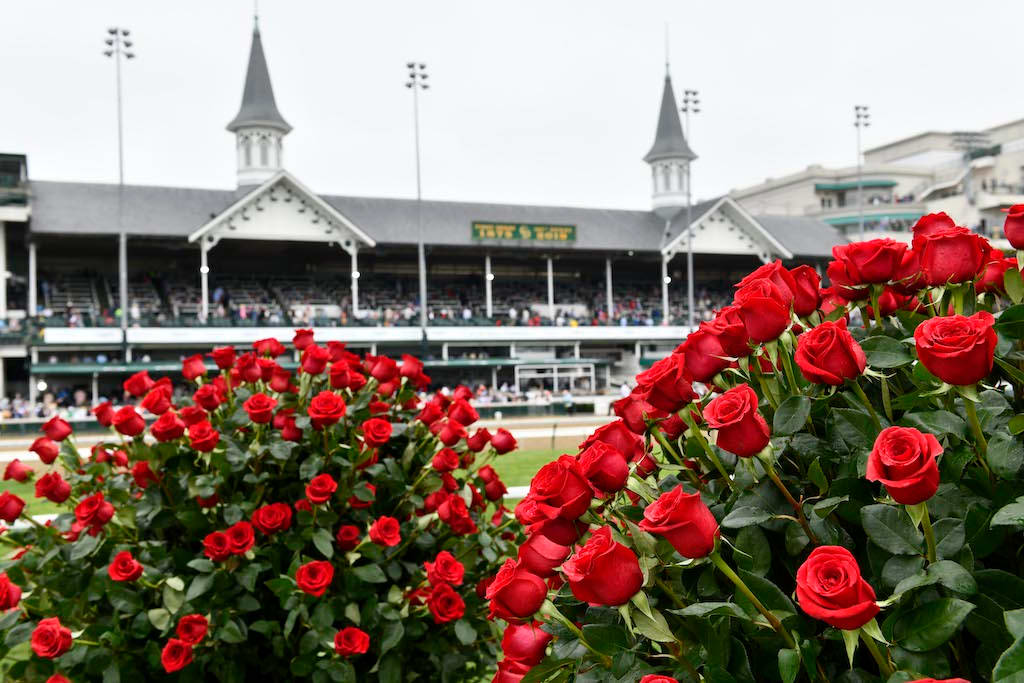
(258, 105)
(669, 141)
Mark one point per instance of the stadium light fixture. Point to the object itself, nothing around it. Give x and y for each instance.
(668, 280)
(205, 270)
(416, 82)
(490, 276)
(862, 119)
(355, 274)
(691, 104)
(41, 385)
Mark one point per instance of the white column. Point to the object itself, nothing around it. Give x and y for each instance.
(95, 388)
(122, 276)
(33, 393)
(664, 290)
(487, 285)
(355, 282)
(551, 289)
(608, 288)
(204, 279)
(494, 380)
(3, 269)
(33, 304)
(3, 379)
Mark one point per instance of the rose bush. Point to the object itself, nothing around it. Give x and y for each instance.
(841, 501)
(274, 527)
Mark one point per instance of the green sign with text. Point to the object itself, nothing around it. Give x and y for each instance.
(524, 231)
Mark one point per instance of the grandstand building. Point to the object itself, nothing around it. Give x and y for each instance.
(548, 296)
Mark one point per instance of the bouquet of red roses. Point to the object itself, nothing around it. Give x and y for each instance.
(819, 484)
(324, 524)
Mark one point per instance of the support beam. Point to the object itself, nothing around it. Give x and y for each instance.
(3, 270)
(488, 277)
(3, 378)
(422, 257)
(95, 389)
(664, 290)
(551, 289)
(33, 286)
(122, 276)
(355, 282)
(204, 279)
(494, 382)
(33, 392)
(608, 288)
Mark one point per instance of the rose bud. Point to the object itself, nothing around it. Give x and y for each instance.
(510, 671)
(260, 408)
(515, 594)
(272, 518)
(904, 461)
(807, 294)
(56, 428)
(445, 604)
(157, 401)
(703, 355)
(828, 354)
(49, 639)
(451, 433)
(479, 440)
(193, 367)
(348, 537)
(104, 413)
(124, 567)
(870, 262)
(952, 255)
(658, 678)
(128, 422)
(929, 224)
(430, 414)
(562, 486)
(386, 531)
(526, 643)
(829, 587)
(167, 427)
(315, 359)
(325, 409)
(143, 475)
(240, 537)
(192, 628)
(541, 555)
(376, 432)
(763, 309)
(314, 577)
(741, 429)
(351, 641)
(494, 489)
(203, 437)
(10, 593)
(444, 569)
(956, 349)
(684, 520)
(502, 441)
(1013, 226)
(321, 488)
(52, 487)
(10, 506)
(176, 655)
(993, 278)
(603, 572)
(139, 384)
(666, 383)
(17, 470)
(462, 412)
(605, 467)
(302, 339)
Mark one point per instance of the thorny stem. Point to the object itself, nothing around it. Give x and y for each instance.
(781, 486)
(697, 434)
(667, 447)
(979, 436)
(884, 667)
(734, 577)
(857, 389)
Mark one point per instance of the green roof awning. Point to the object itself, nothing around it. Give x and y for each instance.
(867, 182)
(853, 217)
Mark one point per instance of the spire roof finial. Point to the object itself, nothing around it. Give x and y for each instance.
(258, 105)
(669, 141)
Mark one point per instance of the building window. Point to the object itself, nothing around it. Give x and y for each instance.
(264, 152)
(247, 149)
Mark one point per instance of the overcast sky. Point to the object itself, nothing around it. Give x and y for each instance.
(534, 101)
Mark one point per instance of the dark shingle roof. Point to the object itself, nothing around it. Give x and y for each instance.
(669, 141)
(803, 235)
(258, 105)
(696, 211)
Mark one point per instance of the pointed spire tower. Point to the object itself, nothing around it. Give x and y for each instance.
(259, 127)
(669, 157)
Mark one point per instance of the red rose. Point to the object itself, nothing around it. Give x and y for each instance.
(314, 577)
(844, 284)
(383, 369)
(502, 441)
(807, 294)
(510, 671)
(192, 628)
(451, 433)
(1013, 227)
(605, 467)
(453, 512)
(657, 678)
(93, 511)
(872, 261)
(176, 655)
(952, 255)
(376, 432)
(56, 428)
(208, 502)
(260, 408)
(462, 412)
(10, 506)
(193, 367)
(494, 489)
(684, 520)
(666, 383)
(526, 643)
(49, 639)
(764, 309)
(444, 569)
(280, 380)
(17, 470)
(386, 531)
(128, 422)
(828, 354)
(940, 680)
(904, 460)
(326, 409)
(223, 356)
(430, 414)
(124, 567)
(240, 537)
(603, 572)
(315, 359)
(157, 401)
(52, 487)
(168, 427)
(320, 489)
(341, 374)
(993, 278)
(191, 414)
(10, 593)
(354, 501)
(445, 604)
(268, 347)
(348, 537)
(479, 440)
(203, 437)
(829, 587)
(143, 475)
(217, 546)
(956, 349)
(777, 274)
(703, 354)
(351, 641)
(272, 518)
(209, 396)
(741, 429)
(541, 555)
(302, 339)
(104, 413)
(138, 384)
(929, 224)
(445, 460)
(617, 435)
(562, 487)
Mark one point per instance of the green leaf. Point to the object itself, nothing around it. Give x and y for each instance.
(1014, 619)
(394, 631)
(886, 352)
(854, 427)
(1010, 322)
(931, 624)
(202, 565)
(370, 573)
(944, 572)
(745, 516)
(200, 585)
(390, 670)
(231, 633)
(937, 422)
(1010, 667)
(789, 665)
(824, 508)
(657, 629)
(1017, 424)
(173, 599)
(606, 638)
(324, 542)
(160, 618)
(767, 592)
(83, 547)
(791, 415)
(1013, 285)
(753, 553)
(890, 529)
(1005, 455)
(950, 535)
(711, 609)
(124, 599)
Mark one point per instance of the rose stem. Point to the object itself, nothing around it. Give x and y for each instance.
(755, 370)
(929, 535)
(979, 436)
(886, 401)
(884, 667)
(779, 484)
(867, 404)
(875, 308)
(697, 434)
(787, 366)
(666, 446)
(549, 609)
(772, 619)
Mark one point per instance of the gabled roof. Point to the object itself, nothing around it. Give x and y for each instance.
(669, 141)
(803, 235)
(258, 105)
(764, 235)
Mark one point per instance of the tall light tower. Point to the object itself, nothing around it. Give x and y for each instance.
(418, 81)
(862, 119)
(691, 104)
(119, 47)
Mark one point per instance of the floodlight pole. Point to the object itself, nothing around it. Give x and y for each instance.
(118, 48)
(862, 119)
(691, 102)
(416, 82)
